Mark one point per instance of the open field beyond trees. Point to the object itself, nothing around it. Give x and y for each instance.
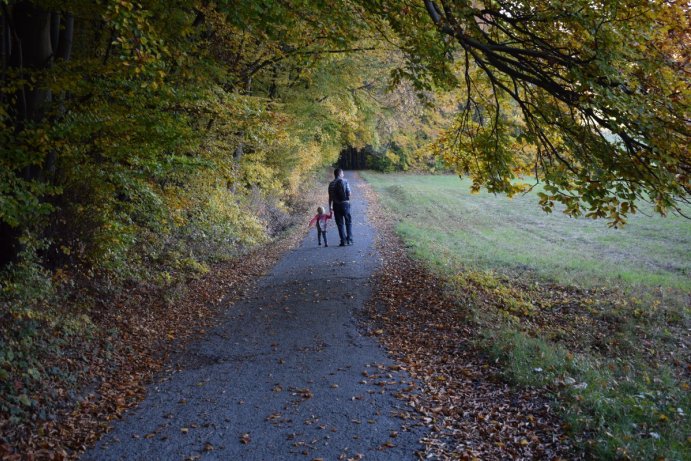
(598, 316)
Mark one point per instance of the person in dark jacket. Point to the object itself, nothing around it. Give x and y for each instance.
(339, 203)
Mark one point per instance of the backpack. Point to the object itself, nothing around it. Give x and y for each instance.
(339, 191)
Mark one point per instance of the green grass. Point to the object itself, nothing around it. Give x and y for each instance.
(630, 414)
(583, 310)
(484, 231)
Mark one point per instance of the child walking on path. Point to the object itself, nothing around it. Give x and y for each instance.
(321, 219)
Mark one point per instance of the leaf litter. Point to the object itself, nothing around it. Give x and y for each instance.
(138, 330)
(455, 390)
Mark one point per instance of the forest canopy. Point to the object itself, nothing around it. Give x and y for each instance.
(589, 97)
(131, 128)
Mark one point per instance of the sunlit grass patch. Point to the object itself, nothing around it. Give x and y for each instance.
(493, 232)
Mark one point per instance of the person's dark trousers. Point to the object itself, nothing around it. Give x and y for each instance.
(343, 221)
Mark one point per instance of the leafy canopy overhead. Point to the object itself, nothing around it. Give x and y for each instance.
(589, 96)
(129, 128)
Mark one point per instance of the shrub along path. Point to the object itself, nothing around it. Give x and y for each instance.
(286, 374)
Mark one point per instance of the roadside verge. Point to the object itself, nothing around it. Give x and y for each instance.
(471, 411)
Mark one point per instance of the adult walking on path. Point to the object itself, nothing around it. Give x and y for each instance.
(339, 202)
(286, 375)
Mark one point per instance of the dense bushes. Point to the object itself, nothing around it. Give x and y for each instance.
(140, 143)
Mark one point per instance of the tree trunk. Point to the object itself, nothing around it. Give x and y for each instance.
(5, 40)
(5, 44)
(26, 45)
(62, 48)
(240, 149)
(31, 49)
(54, 30)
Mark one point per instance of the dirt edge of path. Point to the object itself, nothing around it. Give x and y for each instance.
(460, 395)
(162, 328)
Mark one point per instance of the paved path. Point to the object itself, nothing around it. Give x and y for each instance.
(286, 375)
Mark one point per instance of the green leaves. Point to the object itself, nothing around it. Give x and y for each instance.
(24, 400)
(594, 106)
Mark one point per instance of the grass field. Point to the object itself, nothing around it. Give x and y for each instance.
(605, 308)
(509, 235)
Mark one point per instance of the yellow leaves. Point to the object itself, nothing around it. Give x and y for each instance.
(388, 444)
(495, 290)
(304, 392)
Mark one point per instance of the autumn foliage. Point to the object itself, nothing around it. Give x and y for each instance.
(140, 144)
(143, 141)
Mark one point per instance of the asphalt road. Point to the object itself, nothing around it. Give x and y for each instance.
(286, 375)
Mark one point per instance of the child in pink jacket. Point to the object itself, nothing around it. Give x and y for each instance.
(321, 219)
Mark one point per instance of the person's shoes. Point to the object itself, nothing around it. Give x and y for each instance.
(326, 245)
(350, 241)
(341, 244)
(320, 244)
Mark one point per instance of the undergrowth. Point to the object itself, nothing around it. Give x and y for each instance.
(57, 322)
(616, 399)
